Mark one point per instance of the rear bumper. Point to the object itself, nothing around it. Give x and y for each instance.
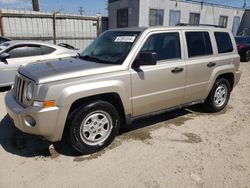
(45, 119)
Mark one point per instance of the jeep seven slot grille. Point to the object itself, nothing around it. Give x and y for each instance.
(19, 87)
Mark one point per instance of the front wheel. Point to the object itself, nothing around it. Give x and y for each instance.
(93, 126)
(219, 96)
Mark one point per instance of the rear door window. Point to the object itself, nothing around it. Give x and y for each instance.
(224, 42)
(198, 43)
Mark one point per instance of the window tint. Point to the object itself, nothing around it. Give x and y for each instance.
(224, 42)
(122, 17)
(166, 45)
(156, 17)
(199, 44)
(25, 51)
(47, 50)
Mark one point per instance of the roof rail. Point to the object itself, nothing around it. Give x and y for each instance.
(185, 24)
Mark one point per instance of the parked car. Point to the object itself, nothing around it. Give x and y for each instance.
(125, 74)
(243, 44)
(15, 53)
(4, 39)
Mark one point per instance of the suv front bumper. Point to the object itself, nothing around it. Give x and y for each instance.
(44, 120)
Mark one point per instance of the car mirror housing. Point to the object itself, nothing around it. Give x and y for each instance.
(4, 56)
(145, 58)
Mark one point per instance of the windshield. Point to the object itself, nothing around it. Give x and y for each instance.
(112, 47)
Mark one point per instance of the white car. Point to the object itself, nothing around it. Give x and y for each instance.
(15, 53)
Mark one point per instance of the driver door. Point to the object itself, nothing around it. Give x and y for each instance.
(160, 86)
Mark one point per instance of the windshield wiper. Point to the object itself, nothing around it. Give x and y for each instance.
(95, 59)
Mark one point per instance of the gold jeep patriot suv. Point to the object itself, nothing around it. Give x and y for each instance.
(123, 75)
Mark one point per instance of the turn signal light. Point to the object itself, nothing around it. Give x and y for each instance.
(44, 104)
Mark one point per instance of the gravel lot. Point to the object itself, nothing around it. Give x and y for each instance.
(184, 148)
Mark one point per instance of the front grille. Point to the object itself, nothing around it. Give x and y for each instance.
(19, 88)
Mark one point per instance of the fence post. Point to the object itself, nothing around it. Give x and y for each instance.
(98, 24)
(54, 27)
(1, 24)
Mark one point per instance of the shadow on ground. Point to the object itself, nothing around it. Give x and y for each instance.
(4, 89)
(22, 144)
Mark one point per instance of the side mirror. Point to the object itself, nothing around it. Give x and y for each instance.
(145, 58)
(4, 56)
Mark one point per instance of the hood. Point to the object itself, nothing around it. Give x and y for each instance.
(61, 69)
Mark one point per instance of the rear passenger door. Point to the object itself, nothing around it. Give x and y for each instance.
(160, 86)
(200, 64)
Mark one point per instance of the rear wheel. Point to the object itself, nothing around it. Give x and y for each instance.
(248, 55)
(93, 126)
(219, 95)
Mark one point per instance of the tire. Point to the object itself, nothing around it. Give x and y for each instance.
(93, 126)
(247, 56)
(218, 96)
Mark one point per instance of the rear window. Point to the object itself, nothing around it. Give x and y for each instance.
(224, 42)
(199, 44)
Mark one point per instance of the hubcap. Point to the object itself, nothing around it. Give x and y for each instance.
(96, 128)
(220, 96)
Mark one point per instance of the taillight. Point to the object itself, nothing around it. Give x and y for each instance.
(241, 46)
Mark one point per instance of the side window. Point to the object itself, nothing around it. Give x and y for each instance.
(194, 18)
(156, 17)
(166, 45)
(122, 17)
(199, 44)
(47, 50)
(224, 42)
(25, 51)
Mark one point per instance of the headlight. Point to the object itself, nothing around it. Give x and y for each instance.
(29, 91)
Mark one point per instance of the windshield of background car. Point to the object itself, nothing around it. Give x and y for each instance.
(112, 47)
(4, 45)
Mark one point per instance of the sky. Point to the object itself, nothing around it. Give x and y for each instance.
(90, 7)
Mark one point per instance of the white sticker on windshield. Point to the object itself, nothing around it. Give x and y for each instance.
(125, 39)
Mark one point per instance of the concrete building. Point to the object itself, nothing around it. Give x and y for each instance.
(127, 13)
(245, 24)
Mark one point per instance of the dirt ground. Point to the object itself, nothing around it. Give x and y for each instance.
(184, 148)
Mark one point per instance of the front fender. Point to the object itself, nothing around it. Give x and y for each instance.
(72, 93)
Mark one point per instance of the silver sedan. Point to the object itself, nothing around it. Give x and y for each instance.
(15, 53)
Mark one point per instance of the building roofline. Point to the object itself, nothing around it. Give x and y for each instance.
(208, 4)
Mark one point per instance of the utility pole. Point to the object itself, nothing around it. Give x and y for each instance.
(245, 4)
(81, 10)
(35, 4)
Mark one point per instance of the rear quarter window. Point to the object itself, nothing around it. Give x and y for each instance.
(47, 50)
(224, 42)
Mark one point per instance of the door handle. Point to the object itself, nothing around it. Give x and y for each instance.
(177, 70)
(211, 64)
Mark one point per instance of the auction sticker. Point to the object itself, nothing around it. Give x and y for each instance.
(125, 39)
